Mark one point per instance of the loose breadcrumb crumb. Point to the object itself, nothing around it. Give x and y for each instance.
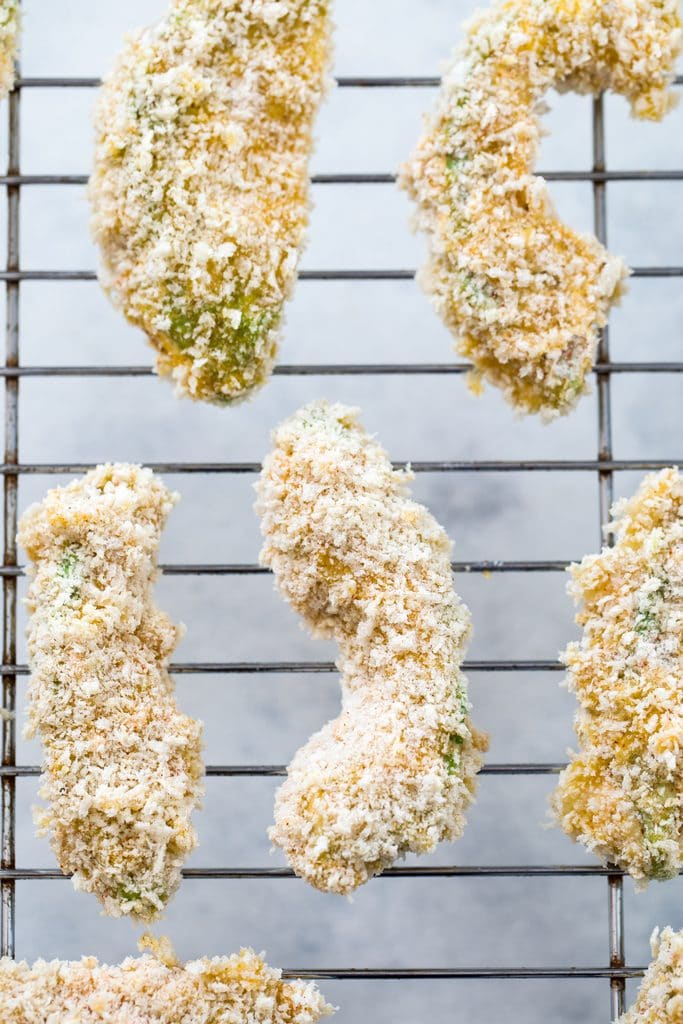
(240, 989)
(200, 190)
(122, 766)
(621, 795)
(9, 43)
(524, 294)
(362, 563)
(660, 997)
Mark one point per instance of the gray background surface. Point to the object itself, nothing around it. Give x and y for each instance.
(262, 719)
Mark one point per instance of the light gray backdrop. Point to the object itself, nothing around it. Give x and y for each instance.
(262, 719)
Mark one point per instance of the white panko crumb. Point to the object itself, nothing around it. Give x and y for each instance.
(523, 294)
(362, 563)
(122, 768)
(621, 795)
(240, 989)
(660, 997)
(9, 43)
(200, 191)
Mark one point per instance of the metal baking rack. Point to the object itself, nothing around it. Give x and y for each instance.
(615, 970)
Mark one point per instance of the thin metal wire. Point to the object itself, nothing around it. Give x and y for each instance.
(418, 871)
(482, 973)
(9, 583)
(615, 889)
(375, 178)
(343, 82)
(605, 466)
(434, 466)
(304, 275)
(252, 569)
(269, 770)
(319, 369)
(181, 668)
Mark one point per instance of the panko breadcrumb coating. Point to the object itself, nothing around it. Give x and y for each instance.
(9, 42)
(362, 563)
(200, 190)
(240, 989)
(621, 795)
(122, 766)
(660, 997)
(523, 293)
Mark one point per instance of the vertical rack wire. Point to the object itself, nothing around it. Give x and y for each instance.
(615, 882)
(10, 486)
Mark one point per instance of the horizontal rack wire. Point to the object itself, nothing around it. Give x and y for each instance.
(433, 466)
(315, 667)
(264, 874)
(385, 178)
(604, 465)
(253, 569)
(418, 871)
(473, 973)
(320, 370)
(343, 82)
(304, 275)
(268, 770)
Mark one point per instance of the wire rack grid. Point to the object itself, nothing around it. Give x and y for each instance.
(616, 970)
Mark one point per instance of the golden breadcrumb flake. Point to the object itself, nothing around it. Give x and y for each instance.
(621, 794)
(660, 997)
(525, 295)
(240, 989)
(200, 191)
(9, 43)
(362, 563)
(122, 766)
